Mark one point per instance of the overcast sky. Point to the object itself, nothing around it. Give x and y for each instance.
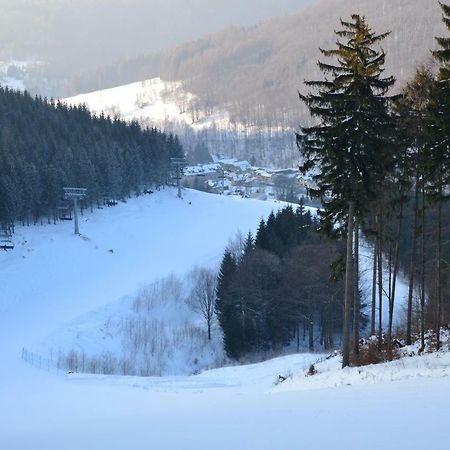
(104, 30)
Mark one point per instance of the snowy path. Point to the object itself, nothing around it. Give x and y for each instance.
(59, 413)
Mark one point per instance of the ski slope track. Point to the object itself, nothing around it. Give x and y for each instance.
(152, 102)
(53, 277)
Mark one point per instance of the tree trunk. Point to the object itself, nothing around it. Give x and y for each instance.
(380, 284)
(394, 277)
(356, 298)
(348, 288)
(374, 286)
(311, 335)
(422, 274)
(412, 263)
(438, 271)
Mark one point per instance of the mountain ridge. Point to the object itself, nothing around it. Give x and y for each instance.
(256, 71)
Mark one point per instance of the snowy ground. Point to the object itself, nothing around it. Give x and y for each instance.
(52, 277)
(152, 101)
(225, 409)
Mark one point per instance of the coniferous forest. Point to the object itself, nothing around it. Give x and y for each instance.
(380, 164)
(278, 288)
(45, 146)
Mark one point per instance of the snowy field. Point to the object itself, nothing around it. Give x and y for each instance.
(160, 103)
(154, 101)
(225, 409)
(52, 278)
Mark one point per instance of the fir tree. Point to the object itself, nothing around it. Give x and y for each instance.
(261, 236)
(443, 53)
(350, 146)
(412, 110)
(439, 155)
(225, 310)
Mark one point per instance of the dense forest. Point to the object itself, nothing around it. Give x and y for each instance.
(380, 166)
(380, 161)
(279, 288)
(45, 146)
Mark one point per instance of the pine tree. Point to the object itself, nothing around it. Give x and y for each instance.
(261, 236)
(249, 245)
(443, 53)
(412, 110)
(350, 146)
(225, 310)
(439, 154)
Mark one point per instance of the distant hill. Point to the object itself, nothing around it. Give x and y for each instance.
(255, 72)
(69, 36)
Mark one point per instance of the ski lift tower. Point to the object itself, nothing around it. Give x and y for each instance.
(178, 164)
(75, 194)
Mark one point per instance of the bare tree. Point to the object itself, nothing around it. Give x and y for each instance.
(203, 295)
(236, 245)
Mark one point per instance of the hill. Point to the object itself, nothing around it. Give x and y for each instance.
(53, 277)
(122, 249)
(255, 72)
(66, 37)
(166, 105)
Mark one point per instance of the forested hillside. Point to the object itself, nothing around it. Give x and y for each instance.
(66, 36)
(46, 146)
(380, 161)
(256, 71)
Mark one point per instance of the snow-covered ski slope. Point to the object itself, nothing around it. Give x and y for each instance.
(154, 102)
(52, 277)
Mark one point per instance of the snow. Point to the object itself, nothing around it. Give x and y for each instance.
(52, 278)
(166, 105)
(202, 169)
(401, 290)
(236, 408)
(122, 249)
(155, 332)
(152, 101)
(13, 83)
(330, 374)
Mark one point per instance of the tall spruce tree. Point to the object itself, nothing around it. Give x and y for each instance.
(224, 307)
(412, 110)
(349, 149)
(443, 53)
(439, 154)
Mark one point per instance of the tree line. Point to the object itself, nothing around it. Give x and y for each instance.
(379, 161)
(46, 145)
(277, 288)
